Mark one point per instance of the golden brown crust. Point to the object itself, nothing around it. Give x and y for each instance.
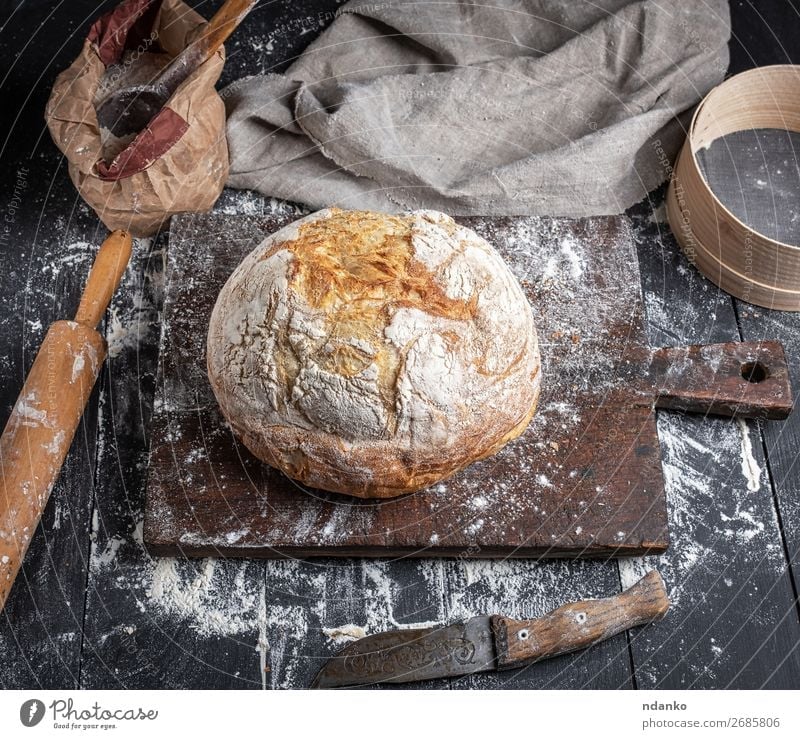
(374, 355)
(398, 475)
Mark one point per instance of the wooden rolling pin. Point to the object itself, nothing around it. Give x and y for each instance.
(44, 419)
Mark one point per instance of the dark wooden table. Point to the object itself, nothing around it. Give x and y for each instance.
(92, 609)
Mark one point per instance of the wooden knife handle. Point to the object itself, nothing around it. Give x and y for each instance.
(747, 379)
(578, 625)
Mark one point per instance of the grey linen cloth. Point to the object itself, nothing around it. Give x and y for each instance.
(525, 107)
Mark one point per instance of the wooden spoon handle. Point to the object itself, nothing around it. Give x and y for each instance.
(222, 25)
(578, 625)
(107, 270)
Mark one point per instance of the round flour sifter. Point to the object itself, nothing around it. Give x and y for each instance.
(742, 261)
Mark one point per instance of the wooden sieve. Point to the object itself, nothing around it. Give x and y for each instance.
(741, 261)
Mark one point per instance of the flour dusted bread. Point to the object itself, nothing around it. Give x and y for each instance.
(372, 354)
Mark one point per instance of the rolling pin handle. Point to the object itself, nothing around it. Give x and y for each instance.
(104, 277)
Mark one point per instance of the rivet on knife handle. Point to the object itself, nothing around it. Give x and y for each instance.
(578, 625)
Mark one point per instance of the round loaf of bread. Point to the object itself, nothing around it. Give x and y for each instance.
(373, 354)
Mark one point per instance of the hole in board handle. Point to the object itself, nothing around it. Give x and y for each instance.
(754, 371)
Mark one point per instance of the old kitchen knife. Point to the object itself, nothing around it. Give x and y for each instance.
(486, 643)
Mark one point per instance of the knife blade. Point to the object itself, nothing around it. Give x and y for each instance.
(488, 643)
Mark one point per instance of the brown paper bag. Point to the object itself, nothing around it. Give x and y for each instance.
(180, 161)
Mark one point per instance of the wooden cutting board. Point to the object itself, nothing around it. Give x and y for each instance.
(584, 479)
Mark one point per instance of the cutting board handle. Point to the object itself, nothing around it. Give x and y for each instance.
(748, 379)
(578, 625)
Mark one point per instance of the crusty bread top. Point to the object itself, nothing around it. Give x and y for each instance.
(408, 330)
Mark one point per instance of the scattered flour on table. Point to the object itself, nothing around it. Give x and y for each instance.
(117, 335)
(139, 325)
(380, 592)
(109, 553)
(697, 520)
(664, 314)
(570, 248)
(72, 256)
(210, 599)
(716, 542)
(262, 645)
(750, 468)
(61, 511)
(250, 203)
(345, 633)
(210, 604)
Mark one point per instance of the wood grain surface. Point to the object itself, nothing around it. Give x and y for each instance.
(575, 626)
(583, 480)
(91, 607)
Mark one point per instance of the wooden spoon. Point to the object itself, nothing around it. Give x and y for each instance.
(128, 110)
